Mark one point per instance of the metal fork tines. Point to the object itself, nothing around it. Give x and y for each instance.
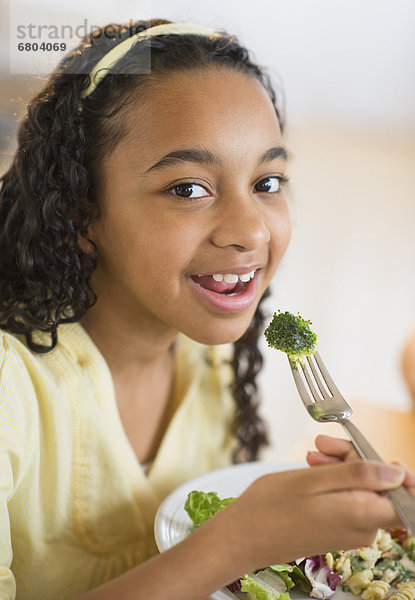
(324, 402)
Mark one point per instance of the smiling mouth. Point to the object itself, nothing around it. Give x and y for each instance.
(226, 284)
(228, 293)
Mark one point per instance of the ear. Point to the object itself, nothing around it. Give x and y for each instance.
(83, 240)
(84, 244)
(86, 241)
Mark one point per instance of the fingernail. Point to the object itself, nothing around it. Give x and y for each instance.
(400, 463)
(390, 472)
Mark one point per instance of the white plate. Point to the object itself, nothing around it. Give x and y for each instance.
(173, 524)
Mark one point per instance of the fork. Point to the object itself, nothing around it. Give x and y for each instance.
(324, 402)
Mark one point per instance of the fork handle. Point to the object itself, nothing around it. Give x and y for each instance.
(402, 499)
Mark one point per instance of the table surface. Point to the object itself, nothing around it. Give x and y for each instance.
(391, 432)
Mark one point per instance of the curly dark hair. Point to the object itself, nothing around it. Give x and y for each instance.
(48, 196)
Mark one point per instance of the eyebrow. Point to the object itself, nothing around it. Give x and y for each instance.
(206, 157)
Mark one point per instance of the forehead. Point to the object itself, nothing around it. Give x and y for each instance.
(212, 106)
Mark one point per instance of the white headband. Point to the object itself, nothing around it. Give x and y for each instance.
(113, 56)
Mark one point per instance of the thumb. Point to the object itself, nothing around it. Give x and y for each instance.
(409, 480)
(390, 475)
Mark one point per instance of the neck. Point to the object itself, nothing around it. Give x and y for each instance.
(128, 347)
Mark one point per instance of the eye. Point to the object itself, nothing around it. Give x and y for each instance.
(270, 184)
(188, 190)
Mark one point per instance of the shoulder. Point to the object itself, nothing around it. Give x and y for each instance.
(25, 370)
(18, 409)
(14, 356)
(31, 381)
(16, 364)
(20, 368)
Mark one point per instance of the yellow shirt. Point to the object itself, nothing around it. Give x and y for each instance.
(76, 507)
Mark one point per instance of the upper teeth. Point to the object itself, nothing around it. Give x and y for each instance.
(232, 278)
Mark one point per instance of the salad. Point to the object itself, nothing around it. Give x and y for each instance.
(384, 570)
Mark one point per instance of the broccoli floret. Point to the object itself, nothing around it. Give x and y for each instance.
(291, 334)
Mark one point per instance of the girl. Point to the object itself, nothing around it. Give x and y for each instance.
(142, 220)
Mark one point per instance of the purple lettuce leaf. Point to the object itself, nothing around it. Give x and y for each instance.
(323, 580)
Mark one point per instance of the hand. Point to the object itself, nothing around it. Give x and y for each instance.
(283, 516)
(331, 450)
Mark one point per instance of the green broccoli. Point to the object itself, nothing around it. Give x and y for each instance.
(291, 334)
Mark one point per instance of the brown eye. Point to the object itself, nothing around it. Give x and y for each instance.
(189, 190)
(269, 184)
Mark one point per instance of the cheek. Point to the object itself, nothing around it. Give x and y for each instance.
(171, 248)
(159, 249)
(280, 228)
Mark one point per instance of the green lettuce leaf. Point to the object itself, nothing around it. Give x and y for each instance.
(292, 576)
(260, 590)
(200, 506)
(285, 575)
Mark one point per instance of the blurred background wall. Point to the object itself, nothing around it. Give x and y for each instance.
(347, 69)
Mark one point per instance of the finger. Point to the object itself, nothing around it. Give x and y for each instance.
(316, 459)
(377, 510)
(364, 475)
(409, 480)
(332, 446)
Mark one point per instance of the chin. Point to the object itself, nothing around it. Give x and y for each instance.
(223, 333)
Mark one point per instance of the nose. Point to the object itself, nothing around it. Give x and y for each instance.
(240, 223)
